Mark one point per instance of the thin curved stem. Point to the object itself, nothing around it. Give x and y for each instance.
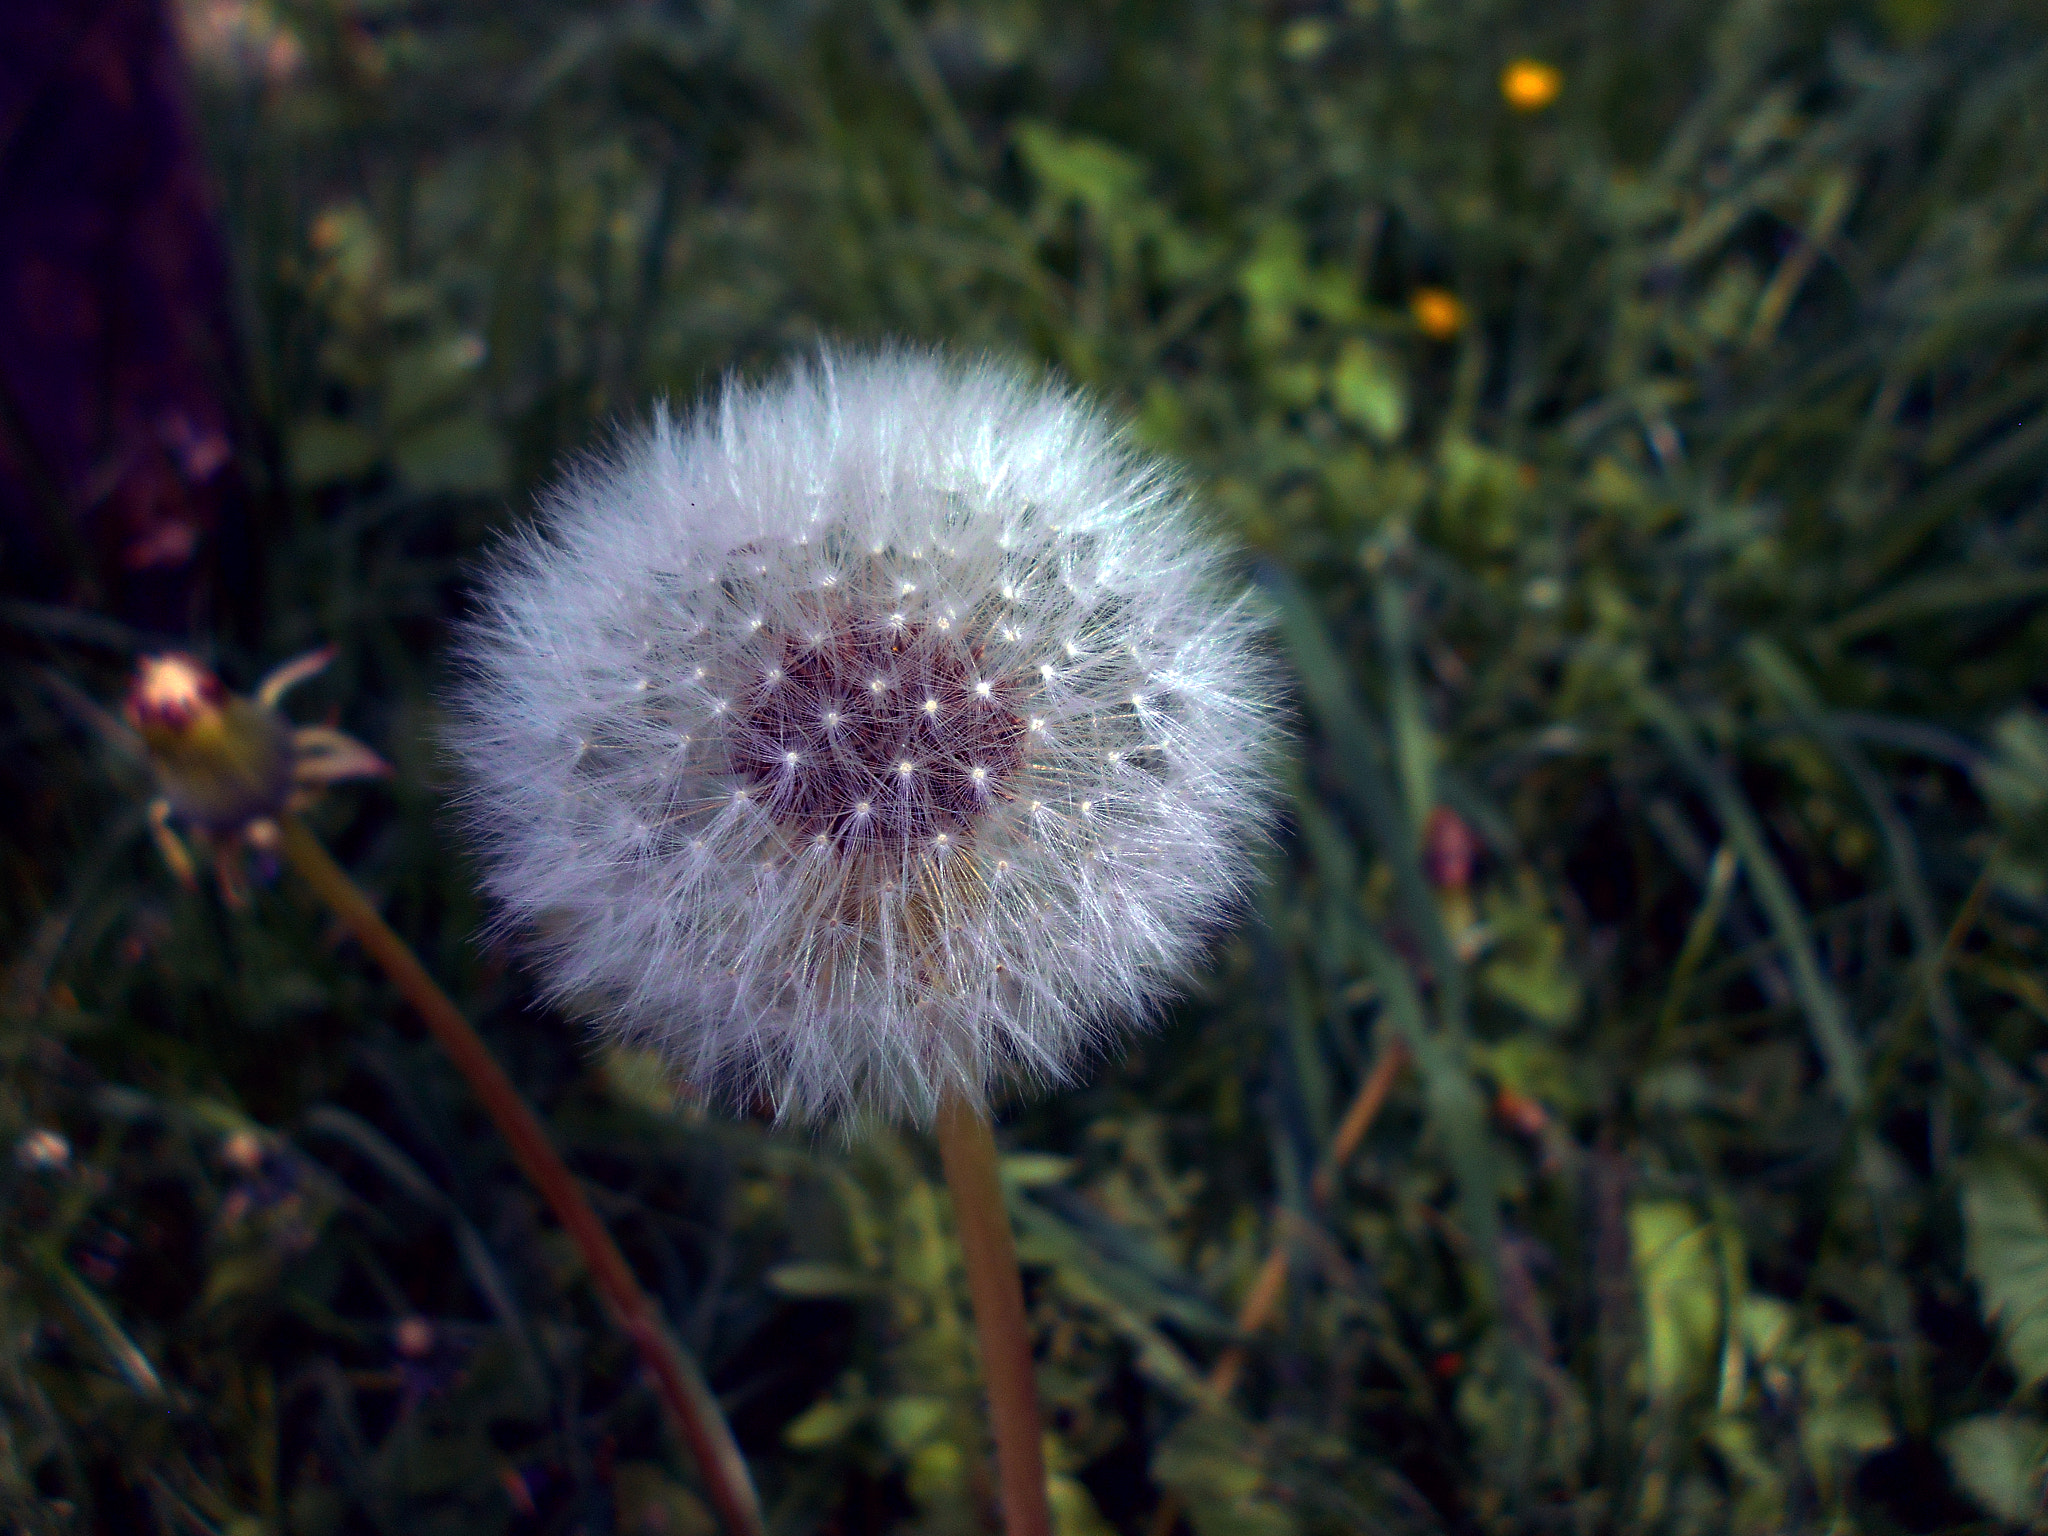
(693, 1412)
(967, 1147)
(1263, 1299)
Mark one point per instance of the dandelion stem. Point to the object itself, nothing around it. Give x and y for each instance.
(967, 1147)
(678, 1382)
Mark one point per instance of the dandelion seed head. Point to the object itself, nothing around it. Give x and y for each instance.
(858, 890)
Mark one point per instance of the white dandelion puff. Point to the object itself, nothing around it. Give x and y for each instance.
(977, 737)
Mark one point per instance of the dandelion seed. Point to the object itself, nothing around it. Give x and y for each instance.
(878, 973)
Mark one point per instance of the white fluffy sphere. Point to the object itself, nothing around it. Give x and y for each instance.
(885, 730)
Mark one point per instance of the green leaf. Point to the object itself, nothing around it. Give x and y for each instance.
(1680, 1284)
(937, 1468)
(1534, 1068)
(1076, 168)
(1999, 1459)
(1833, 1434)
(1123, 1289)
(642, 1078)
(2006, 1240)
(2015, 778)
(1073, 1507)
(824, 1423)
(1456, 1108)
(1031, 1170)
(1532, 970)
(1482, 492)
(1279, 286)
(907, 1422)
(1367, 390)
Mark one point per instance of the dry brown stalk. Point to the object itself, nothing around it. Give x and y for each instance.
(693, 1412)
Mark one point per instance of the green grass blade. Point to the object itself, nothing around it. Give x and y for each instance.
(1934, 596)
(1826, 1017)
(484, 1270)
(1415, 749)
(1456, 1107)
(1359, 758)
(97, 1320)
(1698, 937)
(1902, 850)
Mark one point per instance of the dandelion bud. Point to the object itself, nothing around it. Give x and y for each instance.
(229, 766)
(222, 760)
(885, 730)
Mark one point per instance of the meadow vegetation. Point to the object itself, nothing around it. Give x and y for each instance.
(1643, 457)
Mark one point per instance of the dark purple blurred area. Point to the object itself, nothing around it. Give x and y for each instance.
(118, 456)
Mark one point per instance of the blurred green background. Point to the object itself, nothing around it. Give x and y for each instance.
(1645, 457)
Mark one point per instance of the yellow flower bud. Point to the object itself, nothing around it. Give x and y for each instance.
(1529, 85)
(1438, 313)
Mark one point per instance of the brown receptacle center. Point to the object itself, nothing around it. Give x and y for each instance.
(888, 733)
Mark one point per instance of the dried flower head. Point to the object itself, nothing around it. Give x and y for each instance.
(883, 730)
(230, 766)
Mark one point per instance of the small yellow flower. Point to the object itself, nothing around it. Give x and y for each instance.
(1438, 312)
(1529, 85)
(229, 767)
